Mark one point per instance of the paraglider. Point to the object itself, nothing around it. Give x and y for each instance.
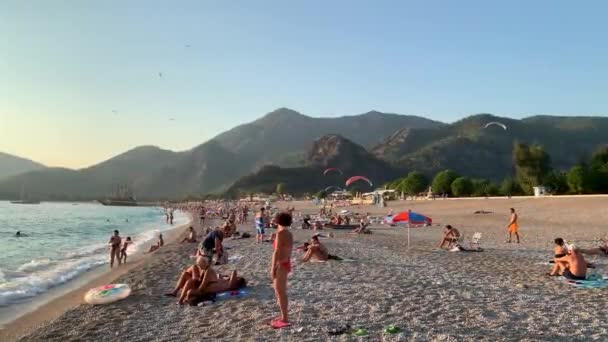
(332, 169)
(353, 179)
(496, 123)
(330, 189)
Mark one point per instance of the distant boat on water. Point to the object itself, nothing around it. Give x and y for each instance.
(123, 197)
(24, 199)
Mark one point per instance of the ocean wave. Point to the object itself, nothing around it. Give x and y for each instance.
(18, 289)
(35, 265)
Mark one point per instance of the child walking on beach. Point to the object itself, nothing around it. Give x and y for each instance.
(280, 266)
(123, 250)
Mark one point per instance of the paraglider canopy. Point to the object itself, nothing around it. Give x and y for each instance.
(332, 169)
(353, 179)
(332, 188)
(496, 123)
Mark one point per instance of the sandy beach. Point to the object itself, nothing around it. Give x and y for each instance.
(500, 294)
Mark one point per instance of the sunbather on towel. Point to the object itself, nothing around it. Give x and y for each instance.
(218, 285)
(572, 265)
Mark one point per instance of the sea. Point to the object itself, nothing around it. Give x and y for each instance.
(62, 241)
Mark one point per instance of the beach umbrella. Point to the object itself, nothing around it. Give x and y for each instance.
(409, 218)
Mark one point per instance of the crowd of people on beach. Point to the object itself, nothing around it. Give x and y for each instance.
(200, 282)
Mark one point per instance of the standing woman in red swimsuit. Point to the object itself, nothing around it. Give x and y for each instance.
(281, 266)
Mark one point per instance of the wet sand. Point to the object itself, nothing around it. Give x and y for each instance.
(500, 294)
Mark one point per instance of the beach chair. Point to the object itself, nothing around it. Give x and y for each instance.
(474, 243)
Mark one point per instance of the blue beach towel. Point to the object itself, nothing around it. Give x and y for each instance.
(232, 294)
(593, 281)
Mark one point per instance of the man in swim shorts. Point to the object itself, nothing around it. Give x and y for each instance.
(115, 242)
(280, 266)
(212, 243)
(572, 266)
(512, 227)
(260, 224)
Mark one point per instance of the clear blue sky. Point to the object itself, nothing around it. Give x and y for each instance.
(66, 65)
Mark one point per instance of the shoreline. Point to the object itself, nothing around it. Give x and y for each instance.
(67, 296)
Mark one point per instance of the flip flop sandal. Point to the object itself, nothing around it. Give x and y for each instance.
(391, 329)
(278, 324)
(360, 332)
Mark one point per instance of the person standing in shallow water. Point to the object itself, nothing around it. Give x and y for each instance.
(280, 266)
(115, 242)
(512, 227)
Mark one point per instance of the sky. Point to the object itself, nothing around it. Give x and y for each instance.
(82, 81)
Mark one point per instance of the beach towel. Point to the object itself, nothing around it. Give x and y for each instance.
(232, 294)
(593, 281)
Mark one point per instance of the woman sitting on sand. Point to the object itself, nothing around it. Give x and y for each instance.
(318, 250)
(192, 278)
(191, 238)
(559, 251)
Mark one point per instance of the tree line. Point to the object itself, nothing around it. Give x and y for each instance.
(532, 167)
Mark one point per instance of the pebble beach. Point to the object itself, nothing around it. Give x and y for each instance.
(500, 294)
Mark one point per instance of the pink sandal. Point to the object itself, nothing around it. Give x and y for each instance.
(278, 324)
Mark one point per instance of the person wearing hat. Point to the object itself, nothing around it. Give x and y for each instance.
(572, 266)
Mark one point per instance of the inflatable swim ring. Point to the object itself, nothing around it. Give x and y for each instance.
(107, 294)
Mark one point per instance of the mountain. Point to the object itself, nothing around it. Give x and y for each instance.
(283, 138)
(282, 135)
(12, 165)
(328, 151)
(472, 150)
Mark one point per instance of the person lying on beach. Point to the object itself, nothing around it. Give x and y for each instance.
(601, 250)
(123, 249)
(115, 241)
(572, 266)
(191, 238)
(214, 286)
(450, 236)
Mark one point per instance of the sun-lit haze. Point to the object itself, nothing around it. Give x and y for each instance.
(83, 81)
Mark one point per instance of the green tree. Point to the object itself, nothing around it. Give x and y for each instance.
(509, 187)
(321, 194)
(557, 182)
(280, 189)
(579, 179)
(481, 187)
(442, 183)
(532, 163)
(462, 187)
(414, 183)
(599, 167)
